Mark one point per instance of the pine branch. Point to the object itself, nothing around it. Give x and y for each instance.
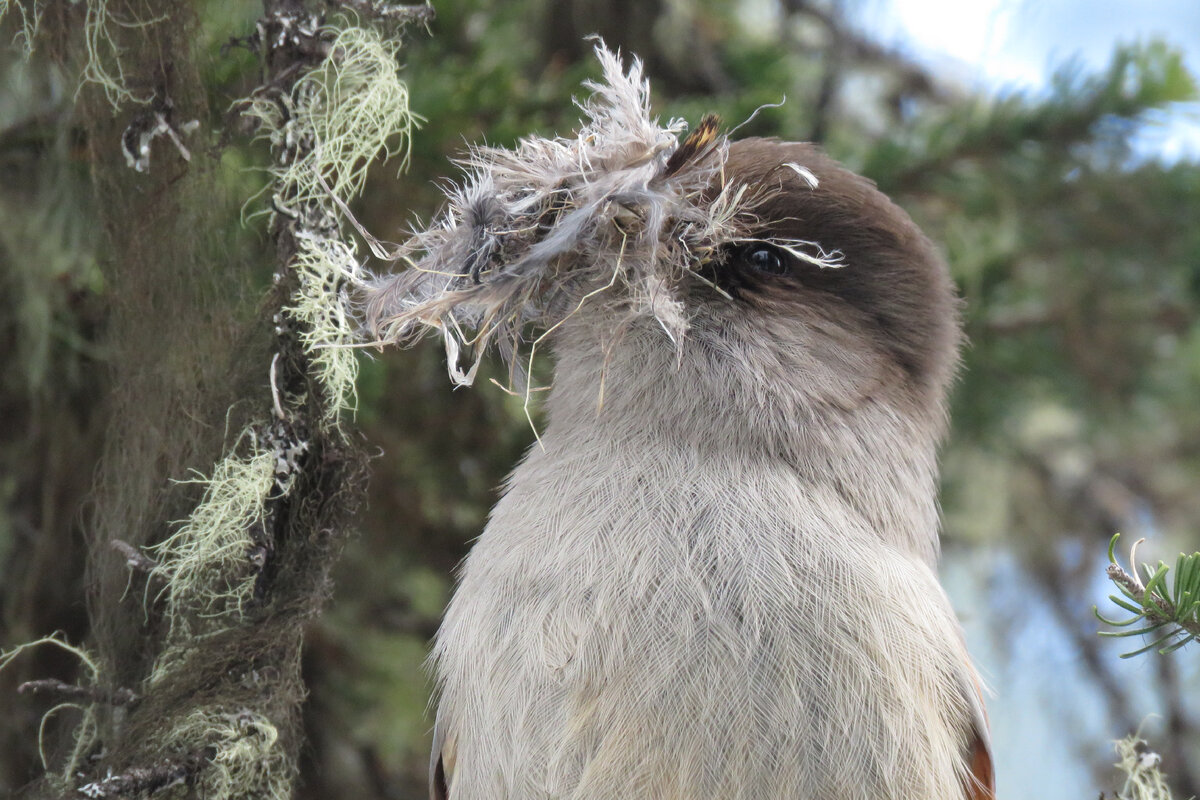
(89, 694)
(1169, 611)
(1138, 79)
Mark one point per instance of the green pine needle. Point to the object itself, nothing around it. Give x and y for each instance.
(1167, 607)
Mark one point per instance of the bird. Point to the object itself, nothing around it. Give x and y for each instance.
(714, 575)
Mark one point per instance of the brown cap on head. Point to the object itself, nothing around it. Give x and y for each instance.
(891, 278)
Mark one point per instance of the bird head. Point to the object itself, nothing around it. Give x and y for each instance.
(743, 276)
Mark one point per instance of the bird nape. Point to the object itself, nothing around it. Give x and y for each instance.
(715, 574)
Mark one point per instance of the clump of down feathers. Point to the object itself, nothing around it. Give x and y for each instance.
(617, 214)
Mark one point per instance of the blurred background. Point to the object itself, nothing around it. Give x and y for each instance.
(1052, 149)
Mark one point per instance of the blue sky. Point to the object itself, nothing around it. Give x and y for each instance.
(1005, 45)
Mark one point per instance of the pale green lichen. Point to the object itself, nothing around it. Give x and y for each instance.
(365, 112)
(102, 62)
(205, 562)
(86, 731)
(353, 109)
(323, 267)
(247, 761)
(31, 20)
(1143, 779)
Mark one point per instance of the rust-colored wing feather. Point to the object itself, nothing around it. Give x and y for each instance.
(981, 784)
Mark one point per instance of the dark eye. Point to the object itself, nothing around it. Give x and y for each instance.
(766, 259)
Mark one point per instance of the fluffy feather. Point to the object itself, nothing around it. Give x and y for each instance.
(614, 215)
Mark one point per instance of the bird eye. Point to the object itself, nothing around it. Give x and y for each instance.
(766, 259)
(744, 267)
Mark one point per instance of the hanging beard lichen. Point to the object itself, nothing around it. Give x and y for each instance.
(1140, 765)
(336, 120)
(203, 565)
(332, 124)
(102, 65)
(324, 267)
(84, 736)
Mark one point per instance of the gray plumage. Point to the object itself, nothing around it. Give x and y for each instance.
(715, 575)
